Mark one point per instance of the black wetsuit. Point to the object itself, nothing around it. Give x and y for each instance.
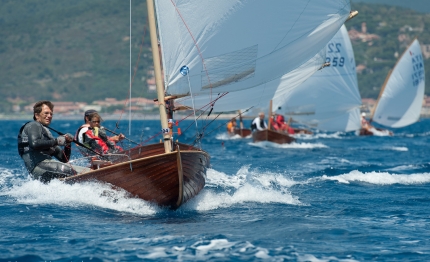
(37, 146)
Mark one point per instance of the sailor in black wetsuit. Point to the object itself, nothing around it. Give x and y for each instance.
(37, 146)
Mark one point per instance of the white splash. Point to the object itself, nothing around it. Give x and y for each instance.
(225, 136)
(399, 148)
(336, 135)
(381, 178)
(293, 145)
(76, 195)
(223, 191)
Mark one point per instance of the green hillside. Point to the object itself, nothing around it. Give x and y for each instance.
(387, 22)
(422, 6)
(76, 50)
(71, 50)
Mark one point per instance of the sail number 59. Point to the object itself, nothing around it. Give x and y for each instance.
(336, 61)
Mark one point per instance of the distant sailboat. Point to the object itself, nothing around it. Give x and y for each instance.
(400, 100)
(329, 100)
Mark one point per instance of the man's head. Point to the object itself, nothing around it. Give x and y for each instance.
(261, 115)
(94, 120)
(87, 114)
(43, 112)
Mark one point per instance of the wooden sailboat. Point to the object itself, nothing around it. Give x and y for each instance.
(157, 173)
(241, 131)
(200, 67)
(270, 135)
(400, 100)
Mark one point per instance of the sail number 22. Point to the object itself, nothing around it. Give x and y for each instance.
(333, 49)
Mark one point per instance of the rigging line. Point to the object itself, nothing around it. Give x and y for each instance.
(129, 108)
(292, 26)
(192, 101)
(201, 109)
(134, 75)
(152, 137)
(229, 120)
(208, 104)
(195, 44)
(201, 135)
(194, 120)
(67, 159)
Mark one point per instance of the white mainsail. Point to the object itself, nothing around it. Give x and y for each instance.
(329, 100)
(246, 48)
(401, 99)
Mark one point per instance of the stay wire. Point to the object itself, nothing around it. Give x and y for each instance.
(223, 124)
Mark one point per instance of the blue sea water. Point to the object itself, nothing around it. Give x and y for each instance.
(327, 197)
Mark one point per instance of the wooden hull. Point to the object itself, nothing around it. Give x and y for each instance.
(243, 132)
(167, 179)
(366, 132)
(302, 131)
(272, 136)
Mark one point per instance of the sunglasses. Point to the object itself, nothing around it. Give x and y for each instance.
(95, 122)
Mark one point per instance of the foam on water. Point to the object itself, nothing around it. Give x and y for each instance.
(28, 191)
(223, 191)
(399, 148)
(336, 135)
(266, 144)
(225, 136)
(381, 178)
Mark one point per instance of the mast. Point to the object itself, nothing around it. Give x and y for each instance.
(270, 116)
(158, 78)
(240, 123)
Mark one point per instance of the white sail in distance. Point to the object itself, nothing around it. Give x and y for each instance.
(329, 100)
(401, 99)
(229, 46)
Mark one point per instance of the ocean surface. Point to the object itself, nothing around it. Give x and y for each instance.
(327, 197)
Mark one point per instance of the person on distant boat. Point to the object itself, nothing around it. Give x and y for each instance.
(37, 146)
(279, 124)
(364, 123)
(258, 123)
(79, 135)
(231, 126)
(96, 139)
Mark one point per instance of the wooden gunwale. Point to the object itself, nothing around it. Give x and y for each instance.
(136, 161)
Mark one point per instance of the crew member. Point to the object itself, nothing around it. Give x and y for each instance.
(37, 146)
(231, 126)
(96, 139)
(258, 123)
(79, 135)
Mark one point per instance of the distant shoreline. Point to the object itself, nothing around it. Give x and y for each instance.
(117, 116)
(28, 117)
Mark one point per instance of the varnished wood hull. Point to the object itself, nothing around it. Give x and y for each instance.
(243, 132)
(272, 136)
(302, 131)
(167, 179)
(365, 132)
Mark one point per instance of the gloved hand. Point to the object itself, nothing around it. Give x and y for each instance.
(61, 140)
(65, 139)
(69, 138)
